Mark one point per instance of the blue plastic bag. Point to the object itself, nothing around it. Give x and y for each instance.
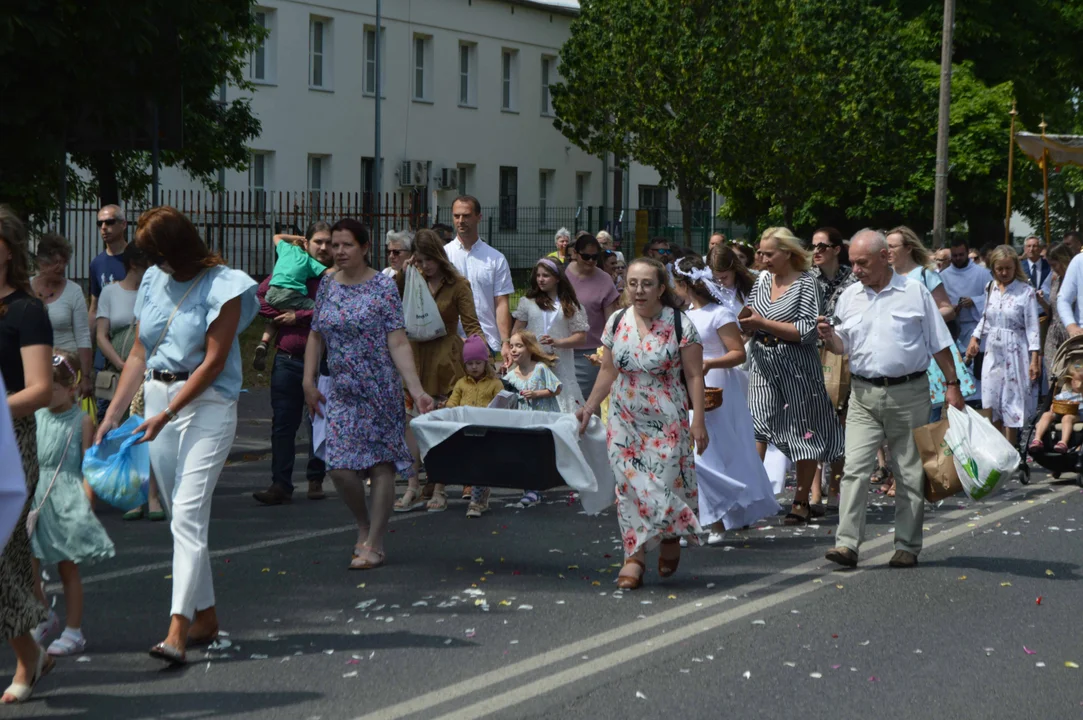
(118, 470)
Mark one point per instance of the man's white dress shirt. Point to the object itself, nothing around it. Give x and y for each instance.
(490, 277)
(891, 333)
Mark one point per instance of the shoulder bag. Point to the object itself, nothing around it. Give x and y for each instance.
(32, 516)
(105, 382)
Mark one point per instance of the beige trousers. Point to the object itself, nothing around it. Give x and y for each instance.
(876, 413)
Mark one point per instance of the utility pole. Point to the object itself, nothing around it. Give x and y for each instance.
(377, 170)
(940, 203)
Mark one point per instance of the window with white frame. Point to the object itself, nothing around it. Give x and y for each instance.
(464, 179)
(548, 71)
(582, 187)
(509, 80)
(468, 75)
(423, 70)
(368, 85)
(319, 53)
(261, 61)
(545, 194)
(319, 172)
(259, 174)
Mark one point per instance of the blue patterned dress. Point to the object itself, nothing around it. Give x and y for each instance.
(366, 419)
(541, 378)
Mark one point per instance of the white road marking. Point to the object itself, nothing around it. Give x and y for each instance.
(551, 681)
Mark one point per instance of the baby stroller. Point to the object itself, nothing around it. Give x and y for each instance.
(1068, 354)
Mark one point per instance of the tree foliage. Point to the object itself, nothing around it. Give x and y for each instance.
(59, 58)
(823, 113)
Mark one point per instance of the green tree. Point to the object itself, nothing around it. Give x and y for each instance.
(647, 80)
(60, 60)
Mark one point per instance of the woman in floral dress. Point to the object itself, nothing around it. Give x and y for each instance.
(649, 437)
(1009, 327)
(358, 319)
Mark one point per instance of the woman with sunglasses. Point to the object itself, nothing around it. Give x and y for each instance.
(26, 341)
(599, 297)
(399, 250)
(190, 308)
(831, 268)
(66, 305)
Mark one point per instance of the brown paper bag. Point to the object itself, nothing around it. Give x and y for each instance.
(836, 378)
(941, 478)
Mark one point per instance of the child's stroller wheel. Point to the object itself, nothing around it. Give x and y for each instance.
(1024, 473)
(1056, 476)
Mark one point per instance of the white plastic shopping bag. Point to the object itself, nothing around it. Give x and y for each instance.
(983, 456)
(423, 321)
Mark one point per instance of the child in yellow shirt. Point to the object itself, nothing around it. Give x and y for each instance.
(476, 389)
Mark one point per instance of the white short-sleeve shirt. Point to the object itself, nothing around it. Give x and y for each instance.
(891, 333)
(118, 305)
(490, 277)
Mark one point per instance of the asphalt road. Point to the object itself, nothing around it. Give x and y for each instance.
(515, 616)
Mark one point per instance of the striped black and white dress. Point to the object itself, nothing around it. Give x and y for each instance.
(790, 406)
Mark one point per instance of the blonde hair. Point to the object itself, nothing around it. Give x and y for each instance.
(918, 252)
(65, 368)
(800, 259)
(530, 342)
(1006, 252)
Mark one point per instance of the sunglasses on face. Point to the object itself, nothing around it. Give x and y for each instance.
(108, 221)
(663, 251)
(395, 252)
(589, 257)
(821, 247)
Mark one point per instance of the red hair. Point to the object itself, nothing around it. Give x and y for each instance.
(167, 233)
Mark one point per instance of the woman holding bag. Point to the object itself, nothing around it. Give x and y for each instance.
(189, 311)
(439, 361)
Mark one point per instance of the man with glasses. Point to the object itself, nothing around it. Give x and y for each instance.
(107, 267)
(287, 396)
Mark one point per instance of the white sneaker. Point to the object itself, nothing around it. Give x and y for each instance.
(46, 628)
(716, 538)
(684, 542)
(69, 643)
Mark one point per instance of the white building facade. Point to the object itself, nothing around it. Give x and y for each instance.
(465, 109)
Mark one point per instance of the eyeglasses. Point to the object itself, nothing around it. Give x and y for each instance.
(821, 247)
(395, 252)
(108, 221)
(663, 251)
(589, 257)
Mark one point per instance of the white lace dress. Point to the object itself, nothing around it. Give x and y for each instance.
(557, 326)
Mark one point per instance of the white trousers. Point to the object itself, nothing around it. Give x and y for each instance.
(187, 457)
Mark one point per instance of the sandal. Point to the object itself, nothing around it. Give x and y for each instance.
(438, 502)
(21, 692)
(1060, 447)
(667, 565)
(631, 582)
(1037, 444)
(156, 515)
(793, 518)
(164, 651)
(359, 563)
(817, 510)
(411, 500)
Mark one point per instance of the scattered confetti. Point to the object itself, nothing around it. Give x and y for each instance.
(790, 664)
(1050, 573)
(962, 577)
(747, 674)
(83, 658)
(1039, 664)
(640, 695)
(352, 674)
(873, 678)
(525, 607)
(759, 622)
(1005, 584)
(1038, 600)
(815, 675)
(1070, 664)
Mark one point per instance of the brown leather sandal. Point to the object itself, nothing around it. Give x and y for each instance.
(668, 565)
(631, 582)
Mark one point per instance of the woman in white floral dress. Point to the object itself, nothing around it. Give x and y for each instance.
(551, 311)
(649, 437)
(1009, 327)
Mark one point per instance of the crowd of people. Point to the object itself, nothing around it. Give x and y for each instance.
(643, 342)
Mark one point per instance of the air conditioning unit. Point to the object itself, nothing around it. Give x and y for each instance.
(414, 173)
(449, 178)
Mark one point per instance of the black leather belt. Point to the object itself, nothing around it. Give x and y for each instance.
(167, 376)
(888, 382)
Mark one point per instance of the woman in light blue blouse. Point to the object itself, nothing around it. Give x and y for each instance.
(190, 308)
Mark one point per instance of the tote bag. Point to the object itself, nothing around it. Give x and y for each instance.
(423, 321)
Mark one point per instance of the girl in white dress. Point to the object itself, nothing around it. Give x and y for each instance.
(734, 489)
(551, 311)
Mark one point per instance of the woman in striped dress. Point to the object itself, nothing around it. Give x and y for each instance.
(789, 403)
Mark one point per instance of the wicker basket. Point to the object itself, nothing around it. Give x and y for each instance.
(1064, 407)
(712, 398)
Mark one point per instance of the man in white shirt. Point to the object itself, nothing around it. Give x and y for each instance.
(890, 327)
(1068, 296)
(487, 270)
(965, 282)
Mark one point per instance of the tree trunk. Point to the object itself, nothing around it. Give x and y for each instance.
(105, 172)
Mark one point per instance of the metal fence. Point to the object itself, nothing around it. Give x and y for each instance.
(240, 224)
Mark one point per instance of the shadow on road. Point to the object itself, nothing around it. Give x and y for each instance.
(195, 704)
